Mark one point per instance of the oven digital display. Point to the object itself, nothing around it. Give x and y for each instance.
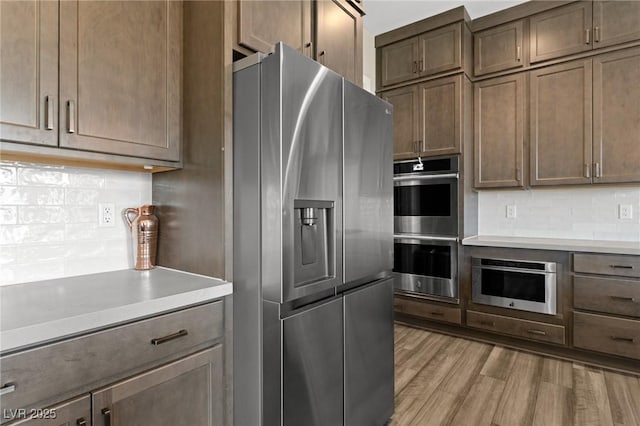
(514, 285)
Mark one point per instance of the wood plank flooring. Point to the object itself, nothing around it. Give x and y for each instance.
(444, 380)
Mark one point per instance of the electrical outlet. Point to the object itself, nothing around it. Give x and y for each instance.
(625, 211)
(511, 211)
(106, 215)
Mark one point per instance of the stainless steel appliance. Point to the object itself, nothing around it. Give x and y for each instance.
(426, 266)
(313, 235)
(517, 284)
(426, 197)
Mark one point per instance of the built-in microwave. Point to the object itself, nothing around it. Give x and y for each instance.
(425, 197)
(517, 284)
(426, 267)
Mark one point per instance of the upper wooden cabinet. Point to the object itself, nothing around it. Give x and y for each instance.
(406, 121)
(261, 24)
(499, 131)
(616, 116)
(499, 48)
(430, 53)
(29, 71)
(339, 38)
(615, 22)
(560, 124)
(120, 85)
(441, 109)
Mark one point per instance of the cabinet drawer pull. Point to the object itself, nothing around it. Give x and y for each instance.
(437, 314)
(81, 422)
(71, 117)
(159, 340)
(48, 101)
(621, 266)
(106, 412)
(587, 36)
(596, 34)
(537, 332)
(623, 339)
(488, 323)
(518, 58)
(8, 388)
(623, 298)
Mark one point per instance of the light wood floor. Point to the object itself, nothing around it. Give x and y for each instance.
(443, 380)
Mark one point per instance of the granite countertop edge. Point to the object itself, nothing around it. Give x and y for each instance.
(68, 326)
(583, 246)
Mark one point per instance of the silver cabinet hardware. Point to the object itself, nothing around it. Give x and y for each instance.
(489, 323)
(309, 46)
(414, 67)
(597, 172)
(48, 100)
(623, 298)
(423, 237)
(537, 332)
(596, 34)
(322, 56)
(621, 266)
(437, 314)
(623, 339)
(518, 174)
(426, 177)
(81, 422)
(587, 170)
(587, 36)
(71, 119)
(518, 58)
(7, 388)
(421, 65)
(160, 340)
(106, 412)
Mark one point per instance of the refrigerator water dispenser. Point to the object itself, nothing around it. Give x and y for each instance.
(314, 239)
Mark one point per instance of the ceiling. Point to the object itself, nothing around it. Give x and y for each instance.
(385, 15)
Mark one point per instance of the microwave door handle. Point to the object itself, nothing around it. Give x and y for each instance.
(426, 177)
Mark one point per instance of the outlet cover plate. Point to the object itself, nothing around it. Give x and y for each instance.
(625, 211)
(511, 212)
(106, 215)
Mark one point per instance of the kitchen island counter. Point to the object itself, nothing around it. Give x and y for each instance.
(41, 312)
(586, 246)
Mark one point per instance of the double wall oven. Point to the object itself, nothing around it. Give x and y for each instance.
(426, 228)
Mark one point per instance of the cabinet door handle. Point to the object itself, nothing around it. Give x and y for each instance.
(538, 332)
(621, 266)
(623, 339)
(437, 314)
(7, 388)
(421, 65)
(587, 170)
(597, 171)
(419, 146)
(160, 340)
(587, 36)
(623, 298)
(489, 323)
(322, 56)
(518, 174)
(48, 101)
(106, 412)
(71, 117)
(81, 422)
(308, 46)
(414, 67)
(596, 34)
(518, 58)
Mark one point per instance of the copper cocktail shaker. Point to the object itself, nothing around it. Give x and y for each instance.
(144, 235)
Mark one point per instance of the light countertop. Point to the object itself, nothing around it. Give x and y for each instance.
(38, 312)
(589, 246)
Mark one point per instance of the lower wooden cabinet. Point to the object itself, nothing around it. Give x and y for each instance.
(184, 392)
(424, 309)
(612, 335)
(76, 412)
(532, 330)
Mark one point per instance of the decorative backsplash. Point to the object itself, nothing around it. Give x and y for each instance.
(589, 213)
(49, 220)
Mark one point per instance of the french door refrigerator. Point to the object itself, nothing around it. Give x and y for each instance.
(313, 246)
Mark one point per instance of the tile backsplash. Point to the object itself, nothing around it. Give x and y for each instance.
(49, 220)
(589, 213)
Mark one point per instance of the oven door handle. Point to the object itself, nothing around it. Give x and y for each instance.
(511, 269)
(423, 237)
(425, 177)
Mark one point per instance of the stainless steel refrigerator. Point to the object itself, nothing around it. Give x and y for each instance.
(313, 246)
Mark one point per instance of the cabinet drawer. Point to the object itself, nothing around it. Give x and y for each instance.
(70, 413)
(426, 310)
(607, 295)
(623, 266)
(40, 375)
(517, 327)
(600, 333)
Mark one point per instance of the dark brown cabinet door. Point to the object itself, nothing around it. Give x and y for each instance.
(440, 50)
(261, 24)
(562, 31)
(339, 38)
(120, 77)
(398, 62)
(498, 49)
(76, 412)
(185, 392)
(406, 121)
(441, 102)
(560, 124)
(499, 131)
(615, 22)
(616, 116)
(29, 71)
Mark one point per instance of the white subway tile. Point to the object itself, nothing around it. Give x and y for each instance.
(8, 255)
(84, 179)
(41, 214)
(7, 174)
(42, 176)
(81, 197)
(8, 215)
(81, 214)
(31, 195)
(20, 234)
(30, 253)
